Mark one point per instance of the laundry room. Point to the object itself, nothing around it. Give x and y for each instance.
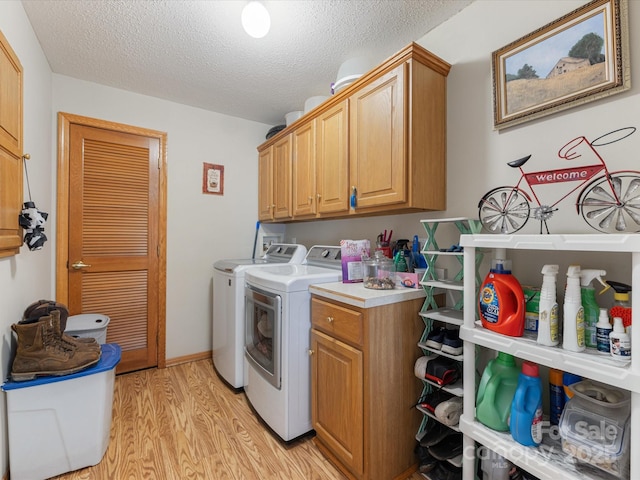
(139, 198)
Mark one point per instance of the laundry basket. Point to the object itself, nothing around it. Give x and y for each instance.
(88, 325)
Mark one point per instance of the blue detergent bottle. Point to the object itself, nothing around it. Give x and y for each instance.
(525, 422)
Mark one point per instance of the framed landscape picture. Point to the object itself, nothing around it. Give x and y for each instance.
(578, 58)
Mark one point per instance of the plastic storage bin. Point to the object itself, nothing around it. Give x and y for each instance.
(60, 424)
(594, 427)
(88, 325)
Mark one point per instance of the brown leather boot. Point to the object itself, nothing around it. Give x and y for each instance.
(42, 308)
(41, 352)
(87, 344)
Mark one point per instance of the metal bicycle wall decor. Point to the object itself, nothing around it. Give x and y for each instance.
(608, 201)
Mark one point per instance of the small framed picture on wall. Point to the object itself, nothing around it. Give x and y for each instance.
(213, 179)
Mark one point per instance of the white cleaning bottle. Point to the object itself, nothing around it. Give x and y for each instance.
(548, 308)
(603, 329)
(620, 342)
(573, 313)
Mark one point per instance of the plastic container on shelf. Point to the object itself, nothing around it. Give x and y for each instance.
(525, 422)
(569, 379)
(621, 302)
(548, 308)
(590, 304)
(573, 313)
(619, 342)
(556, 396)
(495, 392)
(531, 311)
(594, 427)
(603, 329)
(501, 300)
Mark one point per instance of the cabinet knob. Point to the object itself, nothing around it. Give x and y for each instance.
(330, 319)
(311, 352)
(310, 199)
(318, 196)
(273, 206)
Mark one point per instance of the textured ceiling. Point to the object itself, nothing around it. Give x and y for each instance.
(196, 52)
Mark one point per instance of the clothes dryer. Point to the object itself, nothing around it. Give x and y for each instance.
(277, 330)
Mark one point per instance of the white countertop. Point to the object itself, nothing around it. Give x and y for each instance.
(355, 294)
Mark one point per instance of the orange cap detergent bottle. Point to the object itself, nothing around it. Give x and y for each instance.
(501, 299)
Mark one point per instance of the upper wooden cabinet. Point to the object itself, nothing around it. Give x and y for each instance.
(282, 178)
(304, 170)
(10, 149)
(332, 160)
(377, 157)
(274, 181)
(265, 185)
(383, 137)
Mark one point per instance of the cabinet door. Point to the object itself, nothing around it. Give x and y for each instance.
(304, 170)
(377, 140)
(265, 184)
(282, 178)
(337, 399)
(332, 157)
(10, 149)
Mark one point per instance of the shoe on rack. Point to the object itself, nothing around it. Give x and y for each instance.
(431, 401)
(426, 462)
(445, 471)
(435, 434)
(451, 343)
(435, 338)
(449, 447)
(449, 411)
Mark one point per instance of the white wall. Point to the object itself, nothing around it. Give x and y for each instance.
(477, 155)
(200, 228)
(27, 277)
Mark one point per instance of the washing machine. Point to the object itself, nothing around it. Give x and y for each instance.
(228, 307)
(278, 330)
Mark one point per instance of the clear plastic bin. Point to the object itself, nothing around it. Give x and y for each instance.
(594, 427)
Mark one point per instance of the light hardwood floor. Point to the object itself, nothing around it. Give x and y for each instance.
(183, 422)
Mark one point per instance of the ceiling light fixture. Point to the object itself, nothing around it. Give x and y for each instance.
(255, 19)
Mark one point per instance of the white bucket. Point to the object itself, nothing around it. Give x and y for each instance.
(312, 102)
(293, 116)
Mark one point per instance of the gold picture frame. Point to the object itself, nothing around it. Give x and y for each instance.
(566, 53)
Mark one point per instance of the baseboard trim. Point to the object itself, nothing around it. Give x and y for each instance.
(187, 358)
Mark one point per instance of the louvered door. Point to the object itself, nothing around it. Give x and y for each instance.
(113, 237)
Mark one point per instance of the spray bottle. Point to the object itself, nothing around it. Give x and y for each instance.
(589, 303)
(548, 310)
(573, 318)
(603, 329)
(501, 303)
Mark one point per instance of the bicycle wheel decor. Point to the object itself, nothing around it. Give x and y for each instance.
(612, 205)
(504, 210)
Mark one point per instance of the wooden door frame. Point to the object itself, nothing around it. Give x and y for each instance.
(62, 225)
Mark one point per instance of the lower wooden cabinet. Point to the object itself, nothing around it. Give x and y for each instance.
(363, 389)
